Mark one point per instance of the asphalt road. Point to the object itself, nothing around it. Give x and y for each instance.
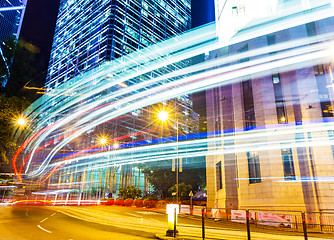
(116, 222)
(25, 223)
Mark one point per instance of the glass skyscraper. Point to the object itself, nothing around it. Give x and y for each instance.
(89, 32)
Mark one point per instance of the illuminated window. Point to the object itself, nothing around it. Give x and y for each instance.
(249, 112)
(219, 175)
(254, 167)
(288, 166)
(319, 70)
(279, 101)
(238, 10)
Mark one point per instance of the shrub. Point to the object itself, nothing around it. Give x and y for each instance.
(119, 202)
(138, 203)
(150, 203)
(110, 201)
(128, 202)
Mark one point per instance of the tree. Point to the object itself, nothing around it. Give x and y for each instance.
(129, 192)
(162, 178)
(10, 109)
(184, 190)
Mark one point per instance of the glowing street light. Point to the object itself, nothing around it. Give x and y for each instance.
(21, 121)
(103, 141)
(116, 145)
(163, 115)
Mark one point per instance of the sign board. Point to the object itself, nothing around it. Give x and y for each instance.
(197, 210)
(191, 194)
(276, 220)
(240, 216)
(185, 209)
(215, 213)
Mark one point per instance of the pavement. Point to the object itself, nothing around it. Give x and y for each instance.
(153, 224)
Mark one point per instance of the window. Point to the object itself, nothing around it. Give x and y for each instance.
(219, 175)
(238, 10)
(319, 70)
(288, 167)
(249, 113)
(280, 110)
(254, 167)
(241, 50)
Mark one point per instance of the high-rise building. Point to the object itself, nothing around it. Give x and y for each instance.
(11, 17)
(89, 33)
(271, 120)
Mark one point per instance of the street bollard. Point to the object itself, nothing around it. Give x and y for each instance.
(174, 223)
(247, 223)
(203, 228)
(172, 211)
(304, 226)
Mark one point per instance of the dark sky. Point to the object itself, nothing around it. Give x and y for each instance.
(39, 23)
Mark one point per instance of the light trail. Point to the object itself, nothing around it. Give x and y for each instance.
(81, 106)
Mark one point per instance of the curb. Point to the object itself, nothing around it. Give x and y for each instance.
(134, 232)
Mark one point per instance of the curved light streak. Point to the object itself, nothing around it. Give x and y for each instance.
(202, 76)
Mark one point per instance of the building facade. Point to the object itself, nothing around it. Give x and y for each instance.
(11, 17)
(279, 161)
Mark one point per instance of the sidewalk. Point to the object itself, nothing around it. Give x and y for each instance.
(189, 226)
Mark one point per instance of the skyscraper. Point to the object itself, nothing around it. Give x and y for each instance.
(11, 17)
(89, 33)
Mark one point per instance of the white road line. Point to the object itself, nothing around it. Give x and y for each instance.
(53, 214)
(131, 214)
(44, 229)
(44, 220)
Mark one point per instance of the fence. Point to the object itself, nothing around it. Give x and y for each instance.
(321, 221)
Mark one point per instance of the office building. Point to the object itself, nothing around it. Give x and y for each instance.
(280, 160)
(89, 33)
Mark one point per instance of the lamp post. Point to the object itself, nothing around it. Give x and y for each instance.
(163, 116)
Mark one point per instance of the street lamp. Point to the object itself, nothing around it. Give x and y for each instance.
(21, 121)
(163, 116)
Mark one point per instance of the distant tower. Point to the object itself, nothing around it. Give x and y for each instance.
(11, 17)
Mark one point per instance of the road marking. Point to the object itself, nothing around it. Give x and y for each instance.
(44, 229)
(53, 214)
(150, 213)
(131, 214)
(44, 220)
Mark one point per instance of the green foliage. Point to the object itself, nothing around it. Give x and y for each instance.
(10, 109)
(129, 192)
(184, 190)
(162, 178)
